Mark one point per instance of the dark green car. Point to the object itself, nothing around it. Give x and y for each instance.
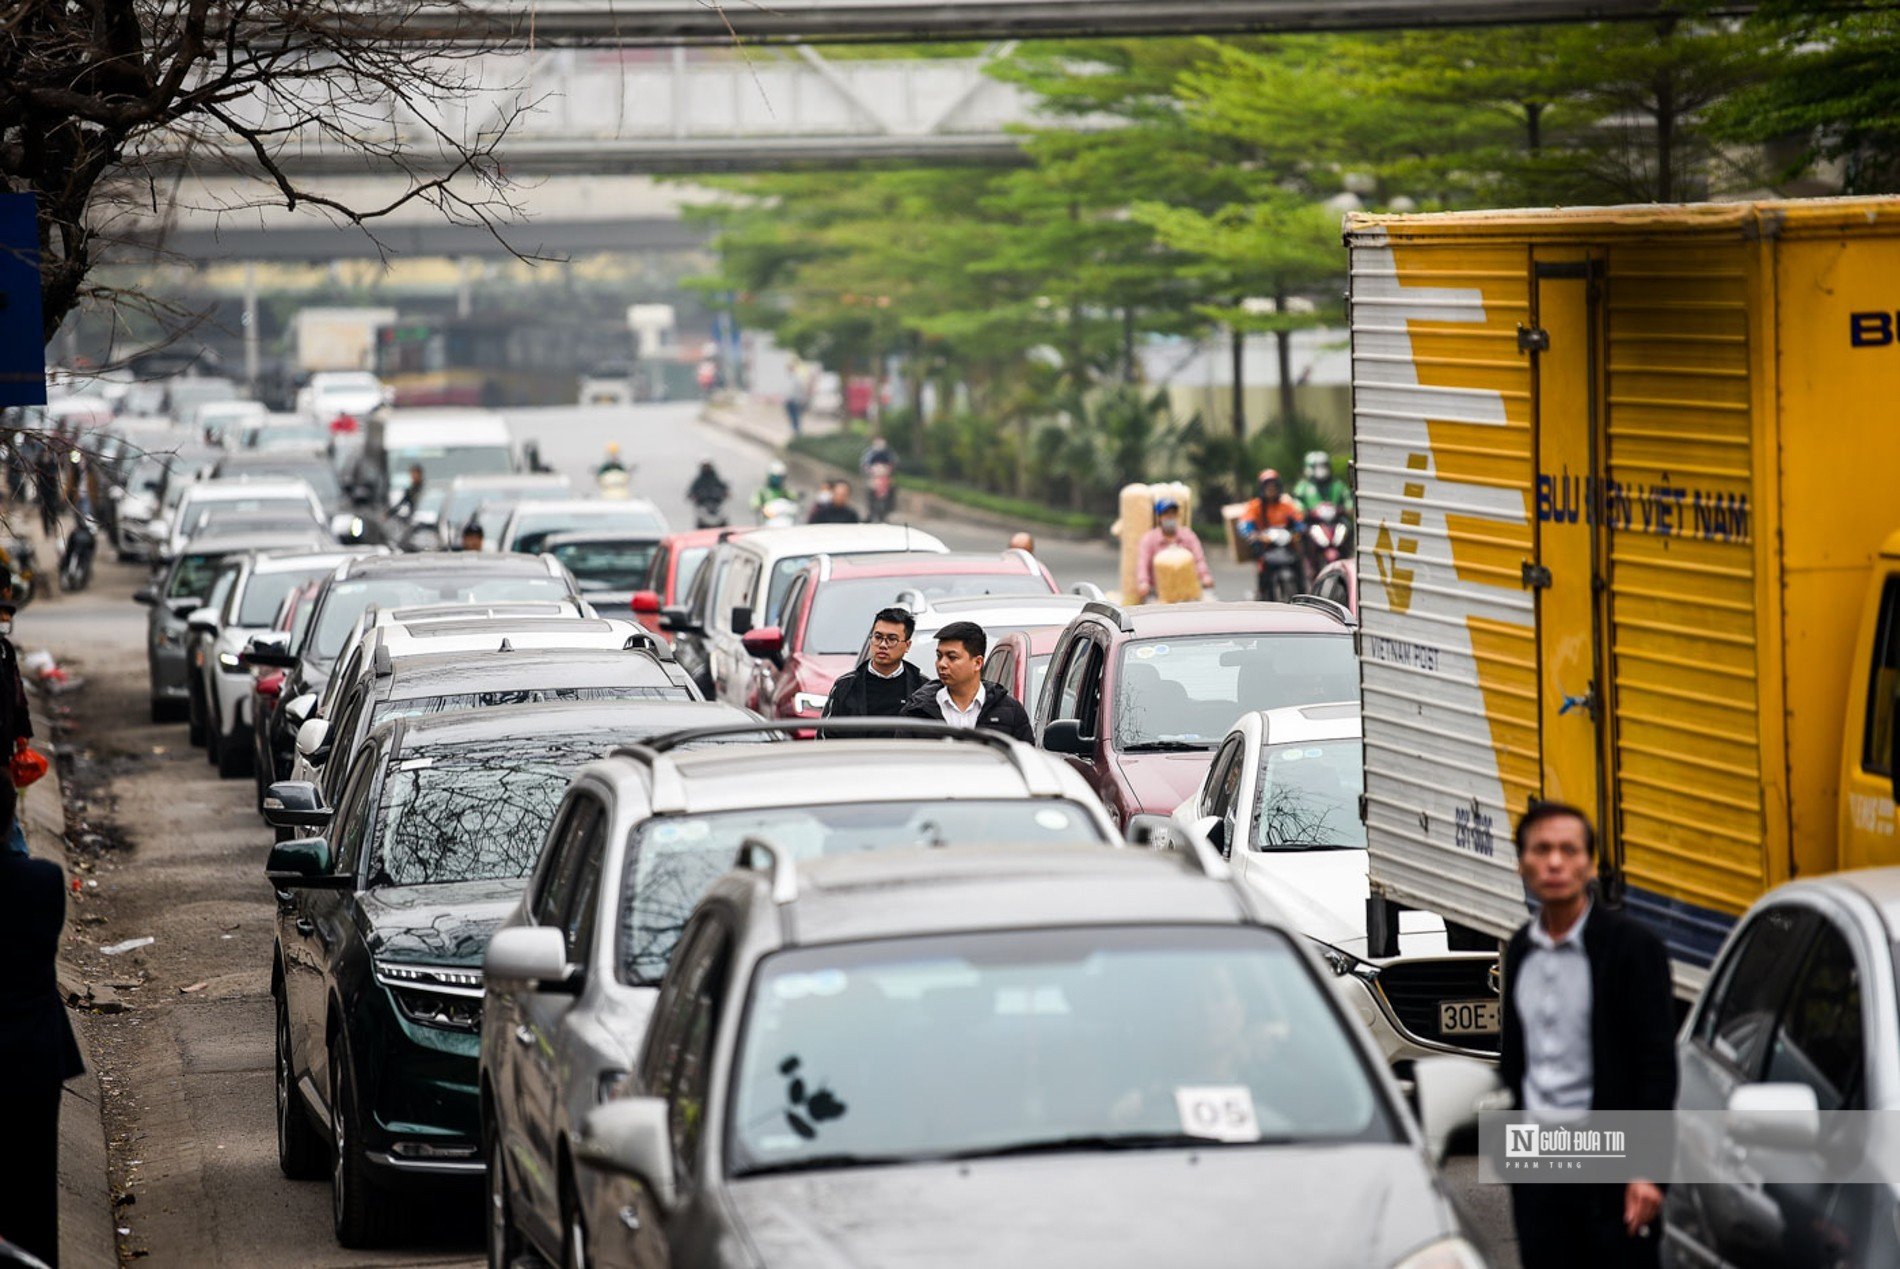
(381, 927)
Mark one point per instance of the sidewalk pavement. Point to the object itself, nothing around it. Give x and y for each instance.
(86, 1236)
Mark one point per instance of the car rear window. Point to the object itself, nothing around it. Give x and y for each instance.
(842, 611)
(1187, 692)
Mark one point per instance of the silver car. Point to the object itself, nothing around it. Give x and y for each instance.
(1010, 1057)
(1799, 1017)
(575, 971)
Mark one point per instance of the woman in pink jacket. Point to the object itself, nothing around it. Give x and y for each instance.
(1168, 531)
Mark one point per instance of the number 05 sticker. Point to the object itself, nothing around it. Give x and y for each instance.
(1219, 1112)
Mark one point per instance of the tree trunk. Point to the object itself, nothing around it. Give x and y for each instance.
(1534, 126)
(1665, 138)
(1283, 346)
(1238, 350)
(1128, 345)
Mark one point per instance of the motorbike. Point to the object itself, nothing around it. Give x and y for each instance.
(1328, 538)
(1277, 556)
(614, 482)
(22, 570)
(709, 512)
(75, 567)
(779, 513)
(880, 494)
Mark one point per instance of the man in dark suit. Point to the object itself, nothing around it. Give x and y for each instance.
(959, 696)
(37, 1049)
(1588, 1024)
(884, 680)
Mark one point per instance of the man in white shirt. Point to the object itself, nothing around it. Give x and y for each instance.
(960, 697)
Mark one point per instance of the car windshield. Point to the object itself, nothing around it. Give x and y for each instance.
(264, 593)
(606, 565)
(690, 561)
(842, 611)
(1034, 1041)
(288, 509)
(347, 601)
(194, 575)
(270, 436)
(1309, 796)
(462, 503)
(674, 859)
(470, 814)
(1186, 693)
(444, 462)
(533, 528)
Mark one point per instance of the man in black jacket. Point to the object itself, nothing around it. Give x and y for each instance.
(959, 696)
(883, 681)
(37, 1050)
(1588, 1024)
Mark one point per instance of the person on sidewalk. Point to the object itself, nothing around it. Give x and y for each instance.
(1168, 531)
(16, 717)
(38, 1053)
(834, 505)
(959, 696)
(884, 681)
(1588, 1024)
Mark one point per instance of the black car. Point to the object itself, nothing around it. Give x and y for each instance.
(437, 683)
(381, 927)
(393, 581)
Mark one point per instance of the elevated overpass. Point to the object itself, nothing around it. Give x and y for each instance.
(660, 22)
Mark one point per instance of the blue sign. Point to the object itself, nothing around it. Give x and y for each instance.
(22, 345)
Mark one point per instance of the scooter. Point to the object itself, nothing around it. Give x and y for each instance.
(615, 482)
(709, 512)
(1281, 576)
(1327, 540)
(75, 568)
(22, 570)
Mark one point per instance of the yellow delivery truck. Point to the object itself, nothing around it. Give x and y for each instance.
(1629, 500)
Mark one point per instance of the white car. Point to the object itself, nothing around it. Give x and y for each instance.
(286, 499)
(220, 422)
(1281, 800)
(333, 393)
(531, 524)
(1798, 1018)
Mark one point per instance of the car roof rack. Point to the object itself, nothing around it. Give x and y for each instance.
(1102, 608)
(777, 862)
(1331, 607)
(669, 792)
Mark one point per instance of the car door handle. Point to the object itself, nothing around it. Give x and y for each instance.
(523, 1036)
(305, 927)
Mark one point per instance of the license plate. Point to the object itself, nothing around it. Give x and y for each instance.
(1468, 1017)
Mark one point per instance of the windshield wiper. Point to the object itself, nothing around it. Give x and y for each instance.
(1168, 746)
(823, 1162)
(1091, 1141)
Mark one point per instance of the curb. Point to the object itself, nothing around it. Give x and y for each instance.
(911, 504)
(86, 1232)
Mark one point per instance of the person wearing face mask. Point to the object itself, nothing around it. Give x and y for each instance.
(1168, 531)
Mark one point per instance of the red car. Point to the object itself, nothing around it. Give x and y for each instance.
(672, 571)
(1138, 700)
(829, 607)
(1019, 660)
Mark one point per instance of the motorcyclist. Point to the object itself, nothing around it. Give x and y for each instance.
(1271, 508)
(707, 489)
(1318, 484)
(879, 451)
(611, 462)
(775, 489)
(1168, 531)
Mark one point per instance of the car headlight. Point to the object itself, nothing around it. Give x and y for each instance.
(809, 702)
(434, 995)
(1345, 964)
(1447, 1253)
(228, 661)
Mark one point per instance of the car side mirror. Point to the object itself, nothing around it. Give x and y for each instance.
(767, 643)
(1451, 1092)
(679, 621)
(202, 621)
(145, 595)
(532, 954)
(1214, 829)
(304, 864)
(185, 606)
(271, 656)
(1064, 735)
(630, 1136)
(295, 804)
(741, 619)
(1774, 1116)
(313, 740)
(1150, 831)
(298, 708)
(645, 603)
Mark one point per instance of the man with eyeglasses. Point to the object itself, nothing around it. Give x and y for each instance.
(883, 681)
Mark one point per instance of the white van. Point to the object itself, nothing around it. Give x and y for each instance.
(444, 443)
